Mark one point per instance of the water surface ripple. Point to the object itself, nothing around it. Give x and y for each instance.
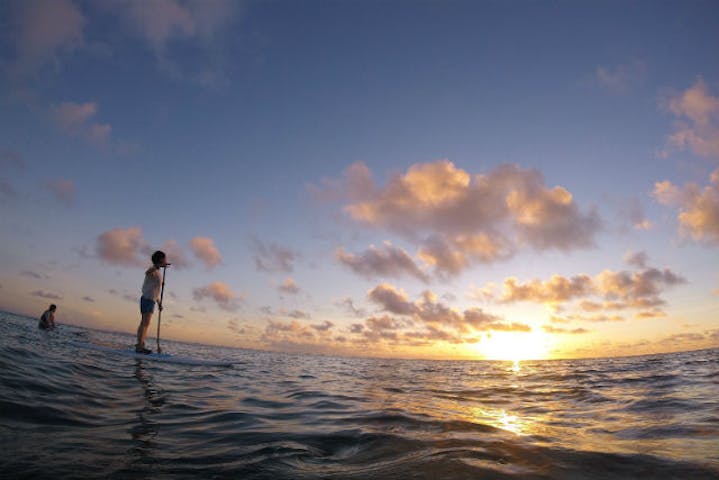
(67, 413)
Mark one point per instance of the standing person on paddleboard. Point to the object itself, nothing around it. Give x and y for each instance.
(150, 295)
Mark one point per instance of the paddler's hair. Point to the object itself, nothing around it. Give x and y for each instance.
(158, 257)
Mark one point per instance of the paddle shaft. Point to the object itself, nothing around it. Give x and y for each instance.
(159, 314)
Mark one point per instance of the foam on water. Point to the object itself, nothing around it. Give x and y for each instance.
(68, 413)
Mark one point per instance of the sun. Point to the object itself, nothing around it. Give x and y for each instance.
(515, 346)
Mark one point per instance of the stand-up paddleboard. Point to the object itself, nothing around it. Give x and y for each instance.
(156, 357)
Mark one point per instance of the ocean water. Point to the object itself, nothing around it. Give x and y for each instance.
(68, 413)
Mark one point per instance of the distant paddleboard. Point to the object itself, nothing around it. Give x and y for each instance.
(156, 357)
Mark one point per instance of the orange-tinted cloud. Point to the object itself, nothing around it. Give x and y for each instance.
(204, 249)
(121, 246)
(459, 219)
(386, 261)
(620, 290)
(220, 292)
(698, 207)
(697, 128)
(289, 286)
(574, 331)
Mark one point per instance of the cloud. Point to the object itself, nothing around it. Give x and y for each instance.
(64, 190)
(392, 299)
(430, 312)
(575, 331)
(47, 295)
(88, 299)
(183, 35)
(697, 127)
(557, 289)
(348, 305)
(386, 261)
(31, 274)
(220, 292)
(616, 290)
(43, 30)
(204, 249)
(75, 119)
(324, 326)
(621, 78)
(698, 207)
(289, 286)
(174, 252)
(273, 258)
(121, 246)
(459, 219)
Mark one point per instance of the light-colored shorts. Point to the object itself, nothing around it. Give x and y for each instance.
(146, 306)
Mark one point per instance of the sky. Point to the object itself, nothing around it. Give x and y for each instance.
(415, 179)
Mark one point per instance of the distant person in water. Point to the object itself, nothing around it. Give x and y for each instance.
(150, 296)
(47, 319)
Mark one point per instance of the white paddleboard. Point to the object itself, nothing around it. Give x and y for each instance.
(157, 357)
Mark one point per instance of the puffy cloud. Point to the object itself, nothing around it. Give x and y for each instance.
(76, 119)
(43, 30)
(558, 289)
(392, 300)
(220, 292)
(460, 218)
(121, 246)
(64, 190)
(698, 126)
(204, 249)
(272, 258)
(698, 207)
(289, 286)
(387, 261)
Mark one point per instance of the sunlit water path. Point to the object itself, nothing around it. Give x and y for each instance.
(66, 413)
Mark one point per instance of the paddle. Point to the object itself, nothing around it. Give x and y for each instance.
(159, 314)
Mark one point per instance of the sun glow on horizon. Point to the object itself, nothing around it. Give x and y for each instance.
(515, 346)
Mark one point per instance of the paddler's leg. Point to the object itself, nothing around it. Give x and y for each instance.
(146, 309)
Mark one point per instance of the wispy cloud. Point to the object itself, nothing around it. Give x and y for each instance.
(76, 119)
(165, 25)
(621, 78)
(47, 295)
(43, 31)
(63, 190)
